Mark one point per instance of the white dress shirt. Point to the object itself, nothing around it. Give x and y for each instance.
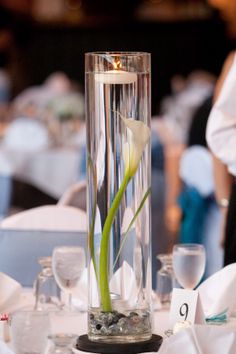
(221, 127)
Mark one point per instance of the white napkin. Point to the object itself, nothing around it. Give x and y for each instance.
(130, 290)
(201, 339)
(10, 291)
(218, 291)
(4, 349)
(129, 286)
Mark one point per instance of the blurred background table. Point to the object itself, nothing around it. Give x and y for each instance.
(51, 170)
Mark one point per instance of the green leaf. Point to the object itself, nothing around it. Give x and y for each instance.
(103, 265)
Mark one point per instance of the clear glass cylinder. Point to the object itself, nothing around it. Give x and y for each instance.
(118, 198)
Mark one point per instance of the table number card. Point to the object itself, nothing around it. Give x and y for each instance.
(186, 306)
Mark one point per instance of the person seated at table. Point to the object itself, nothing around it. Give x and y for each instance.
(58, 103)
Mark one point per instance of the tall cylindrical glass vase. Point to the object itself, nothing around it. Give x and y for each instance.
(118, 203)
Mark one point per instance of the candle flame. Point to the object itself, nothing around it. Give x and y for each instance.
(117, 64)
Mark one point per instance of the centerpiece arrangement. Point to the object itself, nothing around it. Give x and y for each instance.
(118, 168)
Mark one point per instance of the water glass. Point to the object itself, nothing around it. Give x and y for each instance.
(47, 292)
(189, 262)
(29, 331)
(165, 279)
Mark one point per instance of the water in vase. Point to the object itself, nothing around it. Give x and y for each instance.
(108, 102)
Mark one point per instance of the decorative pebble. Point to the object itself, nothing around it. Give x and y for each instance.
(116, 323)
(136, 319)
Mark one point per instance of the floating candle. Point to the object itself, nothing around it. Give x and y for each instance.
(116, 77)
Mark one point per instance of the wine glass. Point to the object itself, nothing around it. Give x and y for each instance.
(189, 262)
(68, 263)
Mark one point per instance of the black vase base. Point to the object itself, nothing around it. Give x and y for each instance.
(151, 345)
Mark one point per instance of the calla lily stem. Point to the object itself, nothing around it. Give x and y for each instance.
(104, 254)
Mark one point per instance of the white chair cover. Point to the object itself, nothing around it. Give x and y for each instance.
(21, 249)
(196, 169)
(48, 217)
(28, 235)
(75, 196)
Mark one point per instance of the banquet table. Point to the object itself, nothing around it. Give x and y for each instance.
(77, 323)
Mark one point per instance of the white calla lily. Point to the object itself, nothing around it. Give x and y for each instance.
(138, 135)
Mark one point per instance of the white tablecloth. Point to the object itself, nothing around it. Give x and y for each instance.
(77, 323)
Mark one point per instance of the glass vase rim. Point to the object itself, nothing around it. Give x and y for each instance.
(118, 53)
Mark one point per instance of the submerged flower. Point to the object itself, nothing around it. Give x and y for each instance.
(138, 134)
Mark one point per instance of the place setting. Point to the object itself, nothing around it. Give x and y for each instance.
(200, 317)
(54, 321)
(44, 319)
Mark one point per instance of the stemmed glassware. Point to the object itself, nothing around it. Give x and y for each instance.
(189, 262)
(68, 263)
(47, 292)
(165, 278)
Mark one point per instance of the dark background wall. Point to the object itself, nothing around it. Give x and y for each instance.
(176, 48)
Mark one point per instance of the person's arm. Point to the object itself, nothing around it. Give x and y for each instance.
(224, 72)
(221, 127)
(173, 154)
(223, 180)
